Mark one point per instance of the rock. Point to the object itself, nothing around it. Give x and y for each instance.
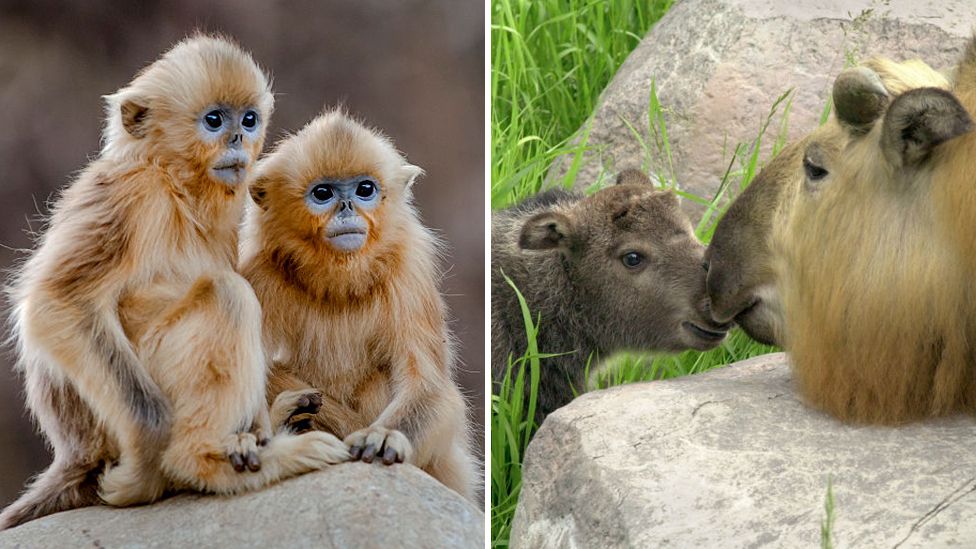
(732, 458)
(718, 75)
(350, 505)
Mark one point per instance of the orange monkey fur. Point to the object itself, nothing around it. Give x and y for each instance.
(366, 328)
(139, 343)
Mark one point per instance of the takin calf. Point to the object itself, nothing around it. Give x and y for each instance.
(617, 270)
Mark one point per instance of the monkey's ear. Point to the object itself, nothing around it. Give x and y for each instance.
(259, 191)
(411, 173)
(134, 117)
(633, 176)
(918, 121)
(546, 231)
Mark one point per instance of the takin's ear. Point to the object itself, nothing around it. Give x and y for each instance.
(411, 173)
(546, 231)
(671, 199)
(633, 176)
(859, 98)
(135, 115)
(259, 191)
(918, 121)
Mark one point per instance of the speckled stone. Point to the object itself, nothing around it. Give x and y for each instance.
(719, 65)
(350, 505)
(733, 458)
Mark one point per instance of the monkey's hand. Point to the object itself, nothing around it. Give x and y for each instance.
(390, 445)
(294, 410)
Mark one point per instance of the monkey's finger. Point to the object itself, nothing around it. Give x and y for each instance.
(390, 456)
(399, 457)
(355, 452)
(237, 461)
(253, 463)
(369, 453)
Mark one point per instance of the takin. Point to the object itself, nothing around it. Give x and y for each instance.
(620, 269)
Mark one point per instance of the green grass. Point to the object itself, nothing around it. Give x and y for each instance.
(827, 524)
(550, 61)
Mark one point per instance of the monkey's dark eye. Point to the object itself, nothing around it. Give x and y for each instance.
(213, 119)
(632, 259)
(322, 193)
(366, 189)
(250, 120)
(813, 171)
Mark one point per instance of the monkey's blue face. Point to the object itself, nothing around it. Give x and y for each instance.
(346, 204)
(235, 132)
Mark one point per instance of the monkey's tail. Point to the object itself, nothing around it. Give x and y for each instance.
(61, 487)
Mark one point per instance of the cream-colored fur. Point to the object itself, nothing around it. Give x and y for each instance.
(139, 342)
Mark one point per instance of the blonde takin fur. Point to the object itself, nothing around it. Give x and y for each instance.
(139, 344)
(877, 275)
(366, 329)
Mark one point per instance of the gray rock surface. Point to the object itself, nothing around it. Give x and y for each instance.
(719, 65)
(350, 505)
(732, 458)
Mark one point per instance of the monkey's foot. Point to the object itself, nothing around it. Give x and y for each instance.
(130, 483)
(294, 410)
(390, 445)
(242, 451)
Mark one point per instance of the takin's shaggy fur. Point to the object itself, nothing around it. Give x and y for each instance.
(878, 277)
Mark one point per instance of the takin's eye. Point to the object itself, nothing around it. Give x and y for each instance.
(813, 171)
(214, 120)
(250, 120)
(322, 193)
(632, 259)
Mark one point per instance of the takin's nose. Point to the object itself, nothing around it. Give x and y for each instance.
(727, 295)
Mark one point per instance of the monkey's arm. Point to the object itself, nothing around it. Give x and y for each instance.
(423, 391)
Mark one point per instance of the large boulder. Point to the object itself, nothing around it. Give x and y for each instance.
(350, 505)
(732, 458)
(719, 65)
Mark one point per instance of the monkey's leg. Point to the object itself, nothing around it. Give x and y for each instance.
(90, 349)
(206, 351)
(79, 446)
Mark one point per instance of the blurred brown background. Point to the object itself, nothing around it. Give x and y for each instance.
(414, 68)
